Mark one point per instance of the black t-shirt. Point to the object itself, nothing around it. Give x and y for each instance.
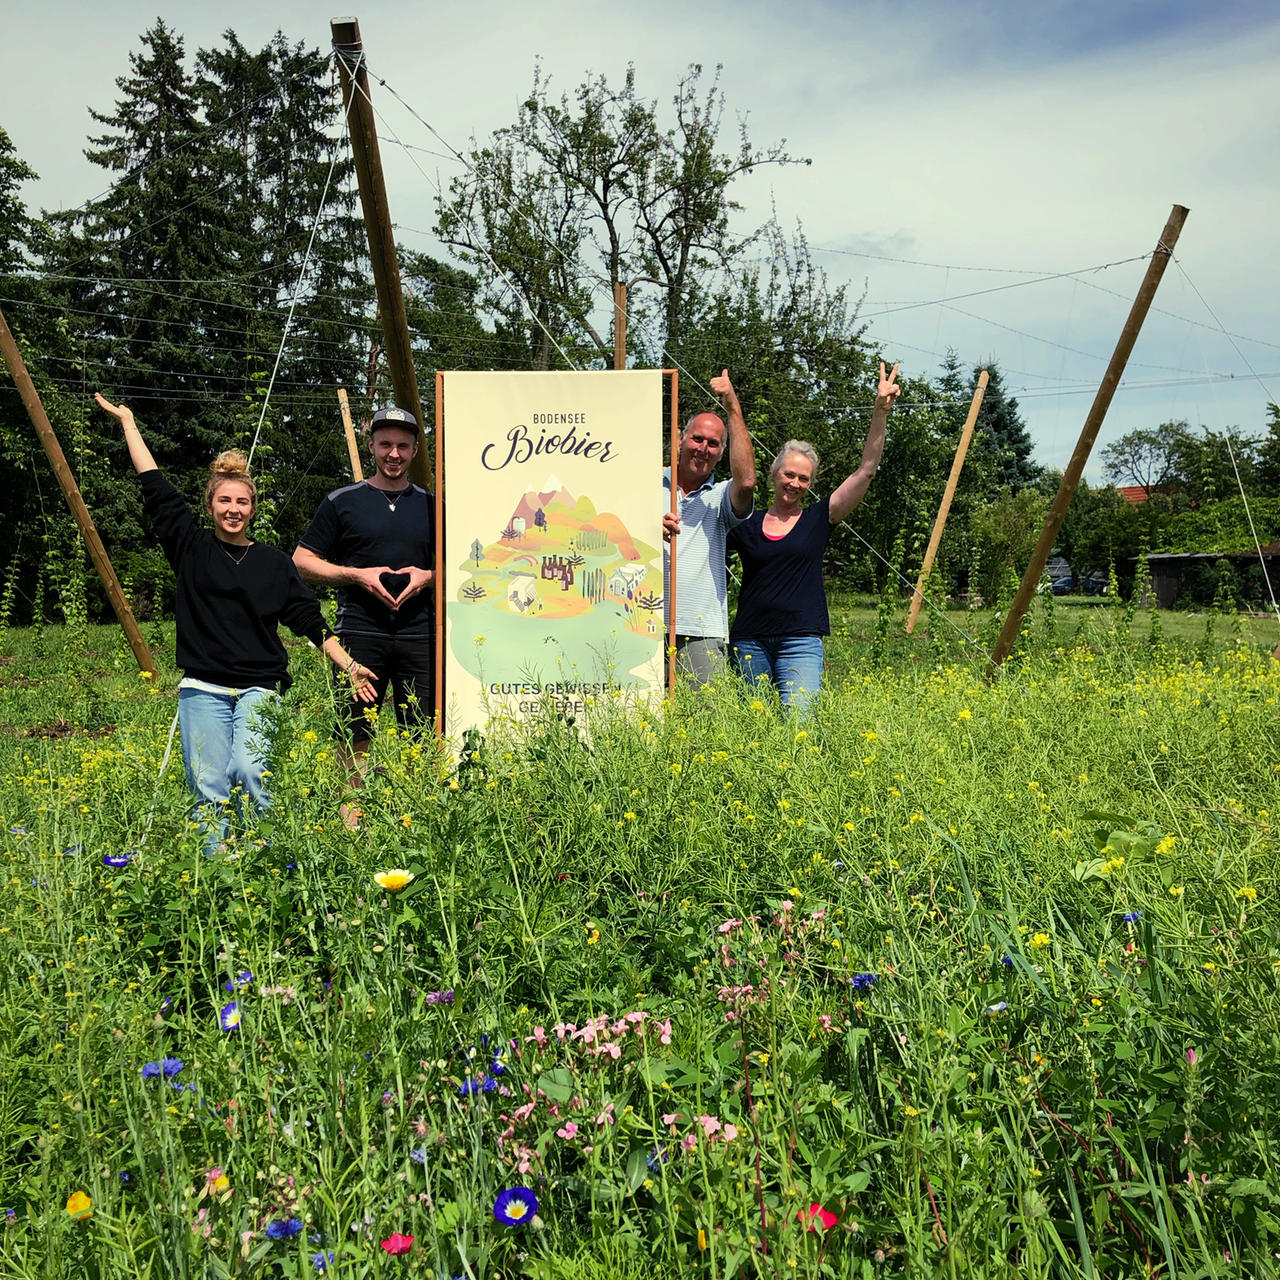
(230, 599)
(782, 592)
(361, 526)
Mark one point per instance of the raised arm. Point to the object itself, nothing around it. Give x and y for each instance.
(854, 489)
(139, 454)
(742, 457)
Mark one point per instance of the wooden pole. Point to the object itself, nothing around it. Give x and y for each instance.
(944, 508)
(357, 471)
(377, 220)
(1088, 434)
(71, 491)
(674, 375)
(619, 324)
(437, 582)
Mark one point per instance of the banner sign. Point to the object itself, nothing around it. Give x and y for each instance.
(553, 543)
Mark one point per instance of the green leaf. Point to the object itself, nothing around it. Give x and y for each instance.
(557, 1084)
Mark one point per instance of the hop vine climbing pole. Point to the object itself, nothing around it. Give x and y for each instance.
(71, 491)
(1088, 434)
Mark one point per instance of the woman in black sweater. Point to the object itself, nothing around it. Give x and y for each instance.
(232, 594)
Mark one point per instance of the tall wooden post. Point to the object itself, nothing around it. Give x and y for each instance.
(675, 511)
(353, 450)
(1088, 434)
(437, 582)
(619, 324)
(944, 507)
(377, 221)
(71, 491)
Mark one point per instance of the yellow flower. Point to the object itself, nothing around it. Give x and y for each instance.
(910, 1110)
(966, 714)
(1248, 892)
(394, 880)
(702, 1239)
(1177, 890)
(1040, 940)
(79, 1206)
(220, 1184)
(1165, 845)
(756, 705)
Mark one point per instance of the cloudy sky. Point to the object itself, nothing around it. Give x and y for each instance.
(958, 149)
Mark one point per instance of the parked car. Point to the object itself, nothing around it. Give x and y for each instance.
(1094, 584)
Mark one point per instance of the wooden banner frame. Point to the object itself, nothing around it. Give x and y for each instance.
(438, 568)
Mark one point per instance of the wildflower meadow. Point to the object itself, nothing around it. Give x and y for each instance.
(954, 977)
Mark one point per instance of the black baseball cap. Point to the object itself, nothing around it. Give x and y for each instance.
(395, 417)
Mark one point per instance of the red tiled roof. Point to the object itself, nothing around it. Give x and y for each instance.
(1133, 492)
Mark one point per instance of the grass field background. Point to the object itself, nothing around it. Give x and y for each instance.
(988, 973)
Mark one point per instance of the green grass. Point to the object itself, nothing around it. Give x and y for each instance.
(1029, 1084)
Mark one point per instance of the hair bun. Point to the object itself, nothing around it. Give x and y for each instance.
(230, 463)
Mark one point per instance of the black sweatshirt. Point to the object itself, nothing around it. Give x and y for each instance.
(230, 599)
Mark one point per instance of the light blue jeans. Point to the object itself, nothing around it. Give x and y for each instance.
(793, 665)
(224, 749)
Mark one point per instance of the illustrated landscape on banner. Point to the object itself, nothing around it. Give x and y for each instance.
(553, 542)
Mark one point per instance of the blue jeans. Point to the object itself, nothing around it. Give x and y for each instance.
(224, 749)
(793, 665)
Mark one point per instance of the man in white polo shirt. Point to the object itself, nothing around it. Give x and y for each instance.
(707, 511)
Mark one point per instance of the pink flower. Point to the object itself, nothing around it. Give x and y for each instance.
(709, 1124)
(787, 904)
(569, 1132)
(562, 1029)
(1191, 1056)
(521, 1114)
(539, 1037)
(730, 1132)
(729, 926)
(636, 1017)
(396, 1244)
(664, 1031)
(670, 1117)
(815, 1210)
(620, 1027)
(606, 1116)
(689, 1141)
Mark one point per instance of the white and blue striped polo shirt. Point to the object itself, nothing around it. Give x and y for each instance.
(702, 593)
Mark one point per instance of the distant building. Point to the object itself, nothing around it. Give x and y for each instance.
(519, 525)
(626, 580)
(1134, 493)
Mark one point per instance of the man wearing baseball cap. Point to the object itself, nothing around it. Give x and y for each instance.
(375, 542)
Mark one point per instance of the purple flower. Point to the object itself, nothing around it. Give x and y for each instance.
(999, 1007)
(284, 1229)
(117, 861)
(242, 979)
(229, 1016)
(515, 1206)
(322, 1260)
(1132, 917)
(171, 1067)
(470, 1086)
(863, 981)
(440, 997)
(418, 1155)
(1007, 961)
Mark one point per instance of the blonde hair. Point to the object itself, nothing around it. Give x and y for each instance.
(803, 448)
(230, 464)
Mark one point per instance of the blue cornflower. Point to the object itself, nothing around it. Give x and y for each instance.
(999, 1007)
(125, 1175)
(497, 1067)
(117, 861)
(863, 981)
(17, 830)
(293, 866)
(1132, 917)
(488, 1084)
(515, 1206)
(10, 1217)
(165, 1003)
(182, 1088)
(150, 1070)
(322, 1260)
(1007, 961)
(658, 1156)
(229, 1017)
(242, 979)
(418, 1155)
(285, 1229)
(472, 1086)
(171, 1067)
